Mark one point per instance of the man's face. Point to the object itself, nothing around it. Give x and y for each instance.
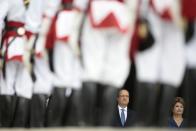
(123, 98)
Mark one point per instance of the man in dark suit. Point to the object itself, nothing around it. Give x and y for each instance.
(123, 117)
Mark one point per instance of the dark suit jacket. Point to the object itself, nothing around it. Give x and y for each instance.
(130, 121)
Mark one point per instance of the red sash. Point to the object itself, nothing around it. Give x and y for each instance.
(55, 29)
(65, 24)
(12, 29)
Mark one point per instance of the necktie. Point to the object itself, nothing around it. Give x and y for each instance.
(122, 117)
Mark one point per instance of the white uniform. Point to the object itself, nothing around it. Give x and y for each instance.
(106, 40)
(66, 49)
(38, 20)
(165, 61)
(34, 19)
(18, 79)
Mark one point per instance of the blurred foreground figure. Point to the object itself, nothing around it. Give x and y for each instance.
(160, 61)
(189, 14)
(64, 104)
(38, 20)
(15, 80)
(105, 43)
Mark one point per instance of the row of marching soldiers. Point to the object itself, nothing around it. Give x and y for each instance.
(62, 61)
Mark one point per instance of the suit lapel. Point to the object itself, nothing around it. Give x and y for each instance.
(127, 117)
(118, 118)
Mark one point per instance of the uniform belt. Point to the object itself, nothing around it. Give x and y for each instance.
(68, 6)
(14, 28)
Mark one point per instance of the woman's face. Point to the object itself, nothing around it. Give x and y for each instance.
(178, 109)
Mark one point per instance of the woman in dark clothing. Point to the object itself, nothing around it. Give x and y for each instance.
(176, 120)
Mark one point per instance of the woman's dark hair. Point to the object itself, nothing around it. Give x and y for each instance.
(176, 100)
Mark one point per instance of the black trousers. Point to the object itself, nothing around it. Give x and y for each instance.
(56, 108)
(73, 112)
(190, 96)
(38, 106)
(153, 102)
(99, 102)
(7, 110)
